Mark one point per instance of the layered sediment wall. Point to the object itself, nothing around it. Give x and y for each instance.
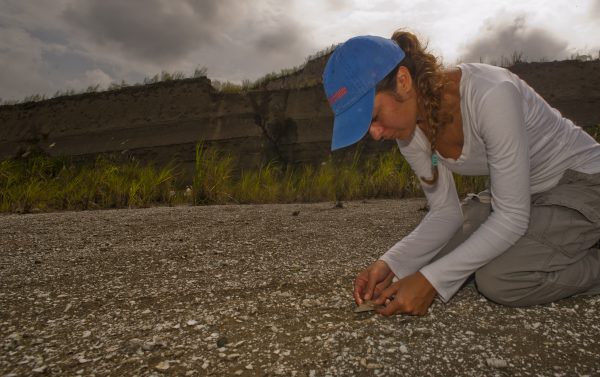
(164, 121)
(284, 120)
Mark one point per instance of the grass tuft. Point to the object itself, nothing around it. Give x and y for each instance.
(41, 183)
(212, 176)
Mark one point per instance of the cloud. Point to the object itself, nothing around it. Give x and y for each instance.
(255, 39)
(280, 40)
(339, 5)
(22, 65)
(163, 32)
(183, 34)
(595, 9)
(22, 53)
(157, 30)
(71, 43)
(500, 40)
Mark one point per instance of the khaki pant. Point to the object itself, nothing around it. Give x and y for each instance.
(559, 255)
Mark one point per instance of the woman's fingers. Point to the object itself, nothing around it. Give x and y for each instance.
(360, 284)
(383, 285)
(386, 294)
(412, 295)
(370, 281)
(393, 307)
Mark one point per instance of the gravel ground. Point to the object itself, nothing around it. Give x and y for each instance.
(257, 290)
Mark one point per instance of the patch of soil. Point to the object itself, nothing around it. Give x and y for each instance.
(256, 290)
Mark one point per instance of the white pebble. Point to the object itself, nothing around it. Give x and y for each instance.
(41, 369)
(497, 363)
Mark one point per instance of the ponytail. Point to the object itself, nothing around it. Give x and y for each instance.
(429, 82)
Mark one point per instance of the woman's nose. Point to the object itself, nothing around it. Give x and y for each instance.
(375, 131)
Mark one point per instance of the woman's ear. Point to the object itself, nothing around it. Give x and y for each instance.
(403, 82)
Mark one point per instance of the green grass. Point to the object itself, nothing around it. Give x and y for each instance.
(594, 132)
(46, 184)
(212, 176)
(41, 183)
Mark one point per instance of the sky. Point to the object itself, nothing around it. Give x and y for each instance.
(56, 45)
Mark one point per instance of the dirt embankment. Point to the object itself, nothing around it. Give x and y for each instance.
(261, 290)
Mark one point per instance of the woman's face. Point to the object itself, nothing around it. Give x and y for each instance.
(395, 114)
(392, 118)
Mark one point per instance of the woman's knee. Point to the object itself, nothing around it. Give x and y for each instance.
(493, 285)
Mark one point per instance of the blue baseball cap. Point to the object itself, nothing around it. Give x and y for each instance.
(351, 74)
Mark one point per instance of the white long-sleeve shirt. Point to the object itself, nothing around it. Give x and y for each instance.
(515, 137)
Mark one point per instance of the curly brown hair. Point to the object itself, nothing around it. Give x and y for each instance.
(429, 81)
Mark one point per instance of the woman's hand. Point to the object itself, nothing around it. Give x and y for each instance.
(410, 295)
(371, 281)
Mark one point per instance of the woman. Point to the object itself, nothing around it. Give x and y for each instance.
(535, 241)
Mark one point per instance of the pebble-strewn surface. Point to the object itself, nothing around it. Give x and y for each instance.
(261, 290)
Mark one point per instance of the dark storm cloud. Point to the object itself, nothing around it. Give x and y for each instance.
(500, 40)
(208, 9)
(163, 32)
(158, 30)
(280, 39)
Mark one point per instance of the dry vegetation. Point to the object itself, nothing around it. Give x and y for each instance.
(40, 183)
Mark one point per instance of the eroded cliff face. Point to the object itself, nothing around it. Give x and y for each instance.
(163, 122)
(283, 121)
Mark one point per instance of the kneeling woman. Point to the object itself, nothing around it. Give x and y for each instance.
(532, 238)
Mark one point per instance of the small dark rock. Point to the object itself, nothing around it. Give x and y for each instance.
(222, 342)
